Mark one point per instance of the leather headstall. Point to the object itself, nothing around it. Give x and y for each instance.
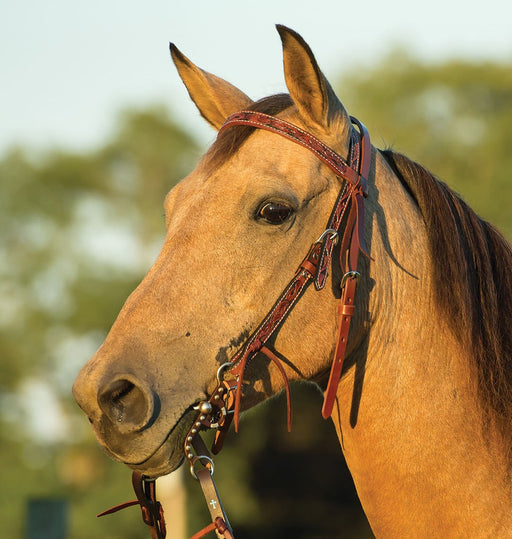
(224, 403)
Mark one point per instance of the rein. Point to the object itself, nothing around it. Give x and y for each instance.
(223, 406)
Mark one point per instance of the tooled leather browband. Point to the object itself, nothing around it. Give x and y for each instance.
(292, 132)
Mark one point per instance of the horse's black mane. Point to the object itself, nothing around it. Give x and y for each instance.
(473, 281)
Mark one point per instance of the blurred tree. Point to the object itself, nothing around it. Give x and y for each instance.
(455, 118)
(79, 232)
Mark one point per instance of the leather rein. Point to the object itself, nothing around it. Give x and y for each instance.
(223, 406)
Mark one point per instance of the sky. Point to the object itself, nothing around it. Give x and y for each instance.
(67, 67)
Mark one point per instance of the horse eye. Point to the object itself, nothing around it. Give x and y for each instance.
(274, 213)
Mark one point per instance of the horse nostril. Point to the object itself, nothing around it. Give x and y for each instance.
(127, 403)
(121, 389)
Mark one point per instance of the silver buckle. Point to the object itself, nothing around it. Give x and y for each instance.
(349, 275)
(333, 235)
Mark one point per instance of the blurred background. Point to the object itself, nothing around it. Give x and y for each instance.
(95, 128)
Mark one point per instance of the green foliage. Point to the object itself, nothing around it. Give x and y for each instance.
(78, 233)
(80, 230)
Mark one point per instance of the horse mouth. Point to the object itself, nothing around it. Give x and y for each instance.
(169, 454)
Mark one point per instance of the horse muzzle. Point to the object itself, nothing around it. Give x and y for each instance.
(130, 421)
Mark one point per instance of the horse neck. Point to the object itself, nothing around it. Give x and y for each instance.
(408, 420)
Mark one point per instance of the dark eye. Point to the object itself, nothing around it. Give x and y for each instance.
(274, 213)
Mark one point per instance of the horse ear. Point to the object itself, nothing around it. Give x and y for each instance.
(310, 90)
(215, 98)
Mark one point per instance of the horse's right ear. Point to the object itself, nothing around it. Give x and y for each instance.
(215, 98)
(311, 92)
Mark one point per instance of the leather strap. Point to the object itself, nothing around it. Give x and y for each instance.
(346, 310)
(152, 511)
(277, 362)
(211, 495)
(273, 321)
(218, 525)
(292, 132)
(352, 243)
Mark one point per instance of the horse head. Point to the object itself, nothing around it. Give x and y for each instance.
(237, 228)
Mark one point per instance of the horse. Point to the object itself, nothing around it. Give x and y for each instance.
(422, 405)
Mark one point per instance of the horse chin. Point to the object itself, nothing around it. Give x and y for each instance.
(164, 461)
(169, 456)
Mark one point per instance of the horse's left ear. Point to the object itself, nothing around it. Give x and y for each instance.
(215, 98)
(310, 90)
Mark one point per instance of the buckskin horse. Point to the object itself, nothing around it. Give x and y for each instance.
(255, 286)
